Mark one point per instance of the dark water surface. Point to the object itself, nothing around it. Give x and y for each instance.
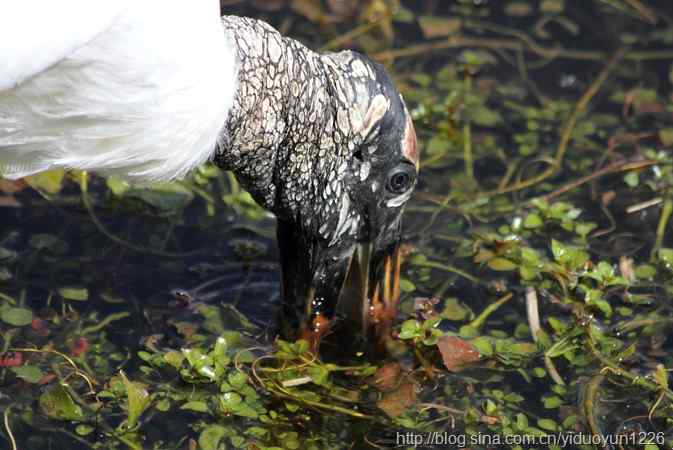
(495, 88)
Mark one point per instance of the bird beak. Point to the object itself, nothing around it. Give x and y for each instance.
(361, 282)
(372, 290)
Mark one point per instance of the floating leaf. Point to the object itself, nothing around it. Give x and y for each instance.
(645, 271)
(570, 256)
(410, 329)
(163, 405)
(406, 285)
(57, 403)
(74, 293)
(584, 228)
(245, 410)
(483, 345)
(17, 317)
(632, 179)
(197, 406)
(290, 440)
(30, 374)
(137, 400)
(230, 400)
(547, 424)
(237, 379)
(210, 437)
(490, 407)
(319, 375)
(533, 220)
(666, 255)
(454, 310)
(552, 401)
(502, 264)
(50, 181)
(539, 372)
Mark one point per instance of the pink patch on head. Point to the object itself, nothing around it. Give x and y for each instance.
(409, 144)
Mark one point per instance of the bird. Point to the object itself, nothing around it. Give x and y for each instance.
(148, 90)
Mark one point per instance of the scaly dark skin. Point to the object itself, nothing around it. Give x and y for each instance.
(324, 142)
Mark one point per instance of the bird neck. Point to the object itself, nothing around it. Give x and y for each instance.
(288, 137)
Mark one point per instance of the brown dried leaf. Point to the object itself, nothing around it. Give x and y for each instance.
(456, 353)
(396, 402)
(387, 377)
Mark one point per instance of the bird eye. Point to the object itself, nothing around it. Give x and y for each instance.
(400, 180)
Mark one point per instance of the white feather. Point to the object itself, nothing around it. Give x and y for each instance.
(344, 221)
(141, 89)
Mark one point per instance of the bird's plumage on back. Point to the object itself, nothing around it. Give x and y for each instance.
(144, 95)
(35, 34)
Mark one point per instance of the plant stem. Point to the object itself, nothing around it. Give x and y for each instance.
(479, 321)
(666, 211)
(447, 268)
(12, 441)
(566, 133)
(105, 322)
(467, 136)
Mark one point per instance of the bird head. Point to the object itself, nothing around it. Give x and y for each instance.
(344, 248)
(326, 142)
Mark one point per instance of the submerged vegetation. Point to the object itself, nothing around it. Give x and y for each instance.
(537, 282)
